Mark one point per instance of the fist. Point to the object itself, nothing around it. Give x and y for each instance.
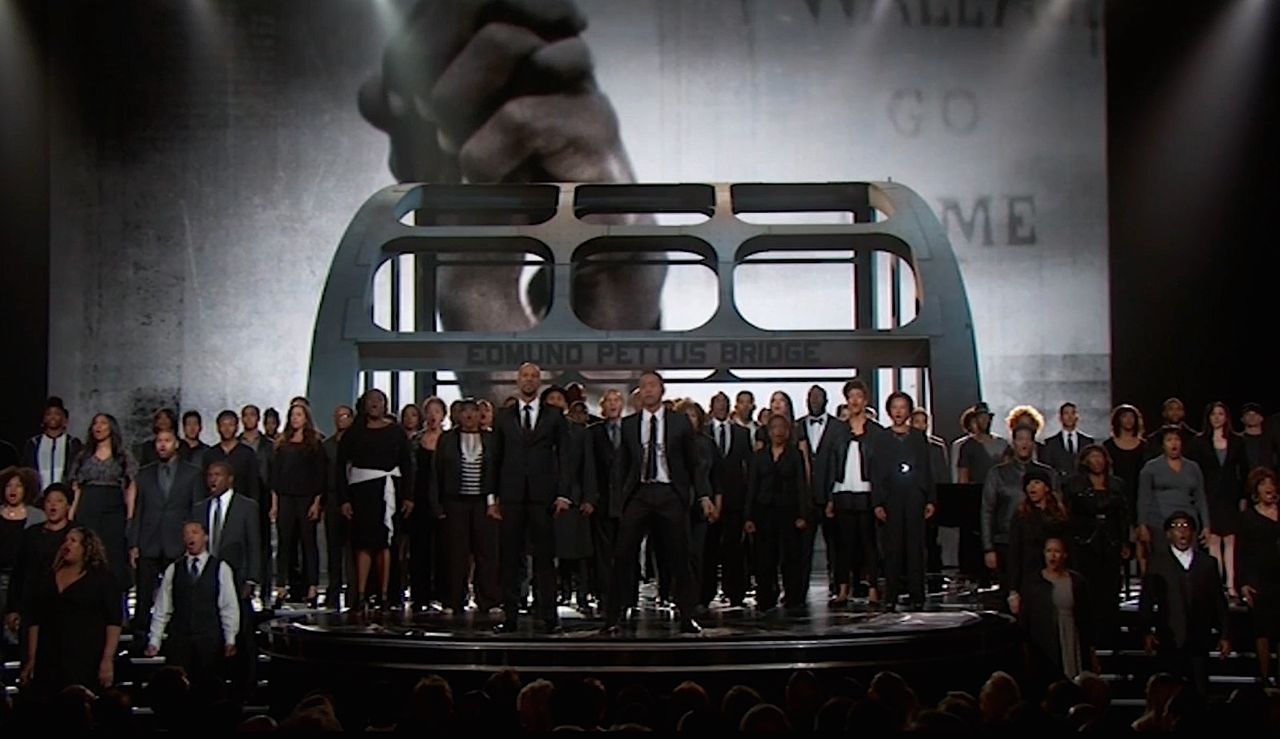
(882, 515)
(991, 560)
(151, 650)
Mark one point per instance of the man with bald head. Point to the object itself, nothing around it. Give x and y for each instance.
(531, 444)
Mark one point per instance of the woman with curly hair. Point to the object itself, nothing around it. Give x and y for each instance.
(19, 488)
(104, 480)
(74, 625)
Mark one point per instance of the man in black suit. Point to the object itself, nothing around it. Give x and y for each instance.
(532, 441)
(601, 483)
(168, 490)
(52, 451)
(659, 460)
(1062, 450)
(234, 537)
(464, 481)
(821, 430)
(724, 546)
(1182, 604)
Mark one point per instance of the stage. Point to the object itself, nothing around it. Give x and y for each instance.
(953, 639)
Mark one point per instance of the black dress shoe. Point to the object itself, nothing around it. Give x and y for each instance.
(611, 630)
(506, 627)
(689, 626)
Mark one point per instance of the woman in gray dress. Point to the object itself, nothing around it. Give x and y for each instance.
(103, 479)
(1058, 619)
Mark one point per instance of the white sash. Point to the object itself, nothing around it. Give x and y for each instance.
(357, 475)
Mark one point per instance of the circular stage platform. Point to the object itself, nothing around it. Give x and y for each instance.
(319, 648)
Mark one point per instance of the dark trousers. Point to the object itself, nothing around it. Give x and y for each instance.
(203, 658)
(697, 551)
(264, 532)
(295, 531)
(657, 509)
(779, 548)
(709, 576)
(903, 539)
(856, 553)
(604, 537)
(470, 536)
(1191, 664)
(422, 563)
(532, 520)
(150, 570)
(733, 556)
(829, 533)
(335, 534)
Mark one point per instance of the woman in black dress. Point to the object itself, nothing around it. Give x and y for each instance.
(777, 514)
(298, 470)
(39, 546)
(1219, 451)
(19, 488)
(1258, 568)
(426, 584)
(103, 478)
(1039, 516)
(74, 625)
(1099, 521)
(377, 481)
(1128, 450)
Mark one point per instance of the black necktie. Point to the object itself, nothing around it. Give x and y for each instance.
(651, 453)
(724, 449)
(528, 418)
(215, 540)
(195, 568)
(1071, 444)
(613, 434)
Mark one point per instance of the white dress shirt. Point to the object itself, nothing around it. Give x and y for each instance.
(534, 406)
(213, 509)
(854, 480)
(664, 472)
(1184, 558)
(814, 428)
(51, 456)
(228, 606)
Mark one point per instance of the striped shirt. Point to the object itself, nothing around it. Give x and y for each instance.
(472, 459)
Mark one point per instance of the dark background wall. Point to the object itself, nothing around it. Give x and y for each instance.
(1192, 200)
(1192, 204)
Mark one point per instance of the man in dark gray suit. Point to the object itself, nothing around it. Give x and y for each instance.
(168, 489)
(532, 444)
(232, 522)
(1062, 450)
(601, 499)
(729, 482)
(658, 457)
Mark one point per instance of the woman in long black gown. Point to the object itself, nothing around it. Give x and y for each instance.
(1258, 567)
(425, 581)
(1127, 448)
(1099, 521)
(103, 477)
(376, 481)
(74, 626)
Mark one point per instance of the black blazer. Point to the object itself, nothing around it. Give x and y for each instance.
(681, 451)
(601, 476)
(156, 527)
(29, 451)
(828, 468)
(1054, 453)
(530, 464)
(730, 471)
(778, 484)
(241, 542)
(832, 435)
(1223, 481)
(445, 475)
(1039, 616)
(1182, 607)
